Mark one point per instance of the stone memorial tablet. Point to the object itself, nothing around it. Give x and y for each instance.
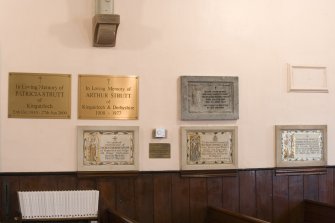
(34, 95)
(209, 98)
(107, 148)
(209, 148)
(301, 145)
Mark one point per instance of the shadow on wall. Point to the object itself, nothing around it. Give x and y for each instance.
(77, 31)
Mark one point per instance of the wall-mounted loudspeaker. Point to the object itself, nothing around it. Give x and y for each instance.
(105, 24)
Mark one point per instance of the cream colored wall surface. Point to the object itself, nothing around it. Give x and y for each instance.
(159, 41)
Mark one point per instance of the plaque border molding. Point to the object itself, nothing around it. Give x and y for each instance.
(297, 163)
(185, 111)
(82, 115)
(106, 168)
(316, 88)
(183, 152)
(59, 106)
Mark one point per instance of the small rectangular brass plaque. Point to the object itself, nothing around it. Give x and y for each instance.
(108, 97)
(34, 95)
(159, 150)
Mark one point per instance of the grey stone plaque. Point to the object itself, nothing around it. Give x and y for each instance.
(159, 150)
(209, 98)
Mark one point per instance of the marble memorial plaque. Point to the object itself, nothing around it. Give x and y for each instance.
(107, 148)
(301, 145)
(209, 147)
(209, 98)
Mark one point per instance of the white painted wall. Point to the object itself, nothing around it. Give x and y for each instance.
(159, 41)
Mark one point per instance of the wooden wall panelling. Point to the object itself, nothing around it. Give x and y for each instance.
(14, 186)
(9, 199)
(230, 193)
(3, 202)
(326, 190)
(280, 199)
(214, 192)
(88, 183)
(165, 197)
(162, 198)
(180, 199)
(144, 192)
(198, 199)
(311, 187)
(296, 197)
(4, 196)
(38, 183)
(107, 194)
(66, 182)
(248, 193)
(125, 196)
(264, 194)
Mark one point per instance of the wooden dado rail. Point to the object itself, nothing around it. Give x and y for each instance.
(219, 215)
(316, 212)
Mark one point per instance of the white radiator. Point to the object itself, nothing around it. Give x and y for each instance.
(59, 204)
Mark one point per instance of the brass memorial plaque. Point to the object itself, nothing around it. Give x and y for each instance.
(159, 150)
(33, 95)
(108, 97)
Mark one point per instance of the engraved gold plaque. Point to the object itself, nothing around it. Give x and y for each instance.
(108, 97)
(159, 150)
(34, 95)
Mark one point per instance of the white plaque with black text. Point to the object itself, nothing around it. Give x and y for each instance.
(301, 145)
(107, 148)
(209, 147)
